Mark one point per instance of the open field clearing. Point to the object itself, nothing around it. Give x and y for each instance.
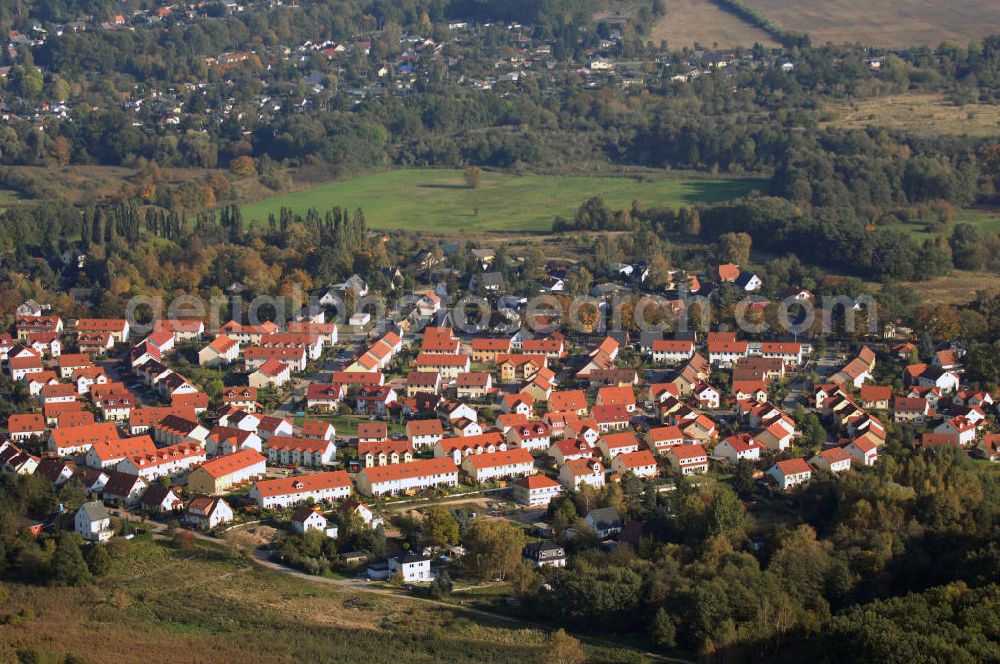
(926, 114)
(885, 22)
(438, 200)
(690, 22)
(988, 221)
(958, 288)
(168, 605)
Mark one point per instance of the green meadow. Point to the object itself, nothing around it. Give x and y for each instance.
(439, 201)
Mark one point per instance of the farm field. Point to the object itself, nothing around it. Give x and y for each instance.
(885, 23)
(925, 114)
(169, 602)
(690, 22)
(438, 200)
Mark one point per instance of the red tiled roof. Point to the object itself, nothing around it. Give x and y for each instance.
(420, 468)
(335, 479)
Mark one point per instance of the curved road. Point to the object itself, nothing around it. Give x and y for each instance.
(260, 557)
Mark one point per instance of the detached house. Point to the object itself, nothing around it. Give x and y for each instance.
(486, 350)
(613, 444)
(688, 459)
(93, 522)
(424, 434)
(207, 512)
(324, 397)
(961, 427)
(617, 396)
(790, 473)
(384, 452)
(640, 463)
(575, 472)
(834, 460)
(222, 350)
(536, 490)
(473, 384)
(271, 374)
(423, 382)
(739, 447)
(863, 451)
(909, 409)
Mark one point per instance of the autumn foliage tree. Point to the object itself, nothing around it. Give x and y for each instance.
(473, 176)
(242, 166)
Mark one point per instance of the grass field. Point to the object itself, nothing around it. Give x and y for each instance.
(438, 200)
(347, 425)
(165, 605)
(957, 288)
(885, 22)
(988, 221)
(924, 114)
(690, 22)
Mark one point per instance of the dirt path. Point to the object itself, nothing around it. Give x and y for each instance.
(260, 557)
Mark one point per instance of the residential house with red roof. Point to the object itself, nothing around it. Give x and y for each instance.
(536, 490)
(287, 491)
(424, 434)
(221, 474)
(833, 460)
(108, 453)
(613, 444)
(448, 366)
(408, 477)
(116, 327)
(271, 374)
(423, 382)
(163, 462)
(499, 465)
(790, 473)
(640, 463)
(531, 436)
(738, 447)
(611, 418)
(688, 459)
(615, 395)
(324, 397)
(77, 440)
(220, 351)
(961, 427)
(296, 451)
(575, 472)
(671, 351)
(384, 452)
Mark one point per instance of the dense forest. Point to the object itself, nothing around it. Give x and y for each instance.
(898, 564)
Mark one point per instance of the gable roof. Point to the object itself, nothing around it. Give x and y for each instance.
(231, 463)
(334, 479)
